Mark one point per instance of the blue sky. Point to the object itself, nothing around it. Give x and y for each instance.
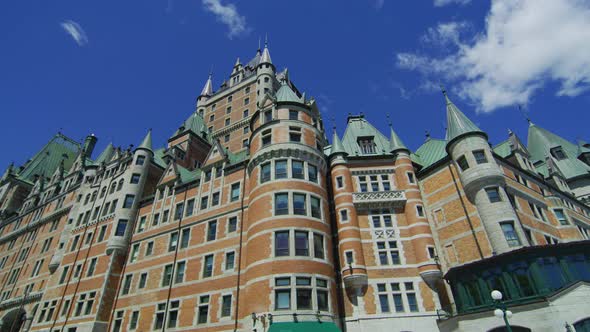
(117, 68)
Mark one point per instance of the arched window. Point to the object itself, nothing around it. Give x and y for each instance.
(103, 192)
(120, 186)
(113, 187)
(86, 199)
(94, 195)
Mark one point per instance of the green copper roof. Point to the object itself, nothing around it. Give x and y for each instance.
(540, 143)
(432, 151)
(359, 128)
(395, 143)
(582, 147)
(503, 149)
(146, 144)
(304, 327)
(48, 159)
(237, 157)
(337, 146)
(187, 176)
(159, 157)
(457, 123)
(287, 95)
(194, 123)
(106, 154)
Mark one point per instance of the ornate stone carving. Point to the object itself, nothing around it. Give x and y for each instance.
(379, 199)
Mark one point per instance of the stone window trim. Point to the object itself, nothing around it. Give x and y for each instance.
(494, 194)
(346, 212)
(349, 259)
(403, 291)
(290, 202)
(566, 221)
(224, 262)
(293, 291)
(411, 177)
(289, 171)
(462, 163)
(310, 244)
(388, 249)
(220, 316)
(339, 182)
(431, 253)
(237, 217)
(420, 211)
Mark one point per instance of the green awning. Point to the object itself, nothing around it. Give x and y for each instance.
(304, 327)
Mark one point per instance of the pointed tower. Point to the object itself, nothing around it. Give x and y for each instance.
(265, 75)
(207, 90)
(482, 179)
(130, 194)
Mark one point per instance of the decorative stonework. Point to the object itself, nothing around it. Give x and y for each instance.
(379, 199)
(17, 301)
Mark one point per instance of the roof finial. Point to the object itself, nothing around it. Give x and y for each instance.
(388, 119)
(442, 88)
(259, 41)
(427, 134)
(266, 40)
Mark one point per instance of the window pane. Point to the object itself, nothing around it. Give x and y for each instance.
(281, 204)
(297, 169)
(299, 204)
(282, 299)
(315, 207)
(280, 169)
(384, 302)
(318, 246)
(301, 243)
(282, 243)
(303, 299)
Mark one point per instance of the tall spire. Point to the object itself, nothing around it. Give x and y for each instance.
(395, 143)
(337, 147)
(265, 53)
(146, 144)
(238, 63)
(208, 88)
(457, 123)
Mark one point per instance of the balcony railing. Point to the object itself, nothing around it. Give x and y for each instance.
(379, 199)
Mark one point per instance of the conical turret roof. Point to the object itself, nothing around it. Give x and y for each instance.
(208, 88)
(457, 123)
(286, 94)
(146, 144)
(395, 143)
(106, 154)
(337, 147)
(265, 58)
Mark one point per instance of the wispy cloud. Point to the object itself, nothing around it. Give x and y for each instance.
(75, 31)
(228, 15)
(440, 3)
(525, 45)
(378, 4)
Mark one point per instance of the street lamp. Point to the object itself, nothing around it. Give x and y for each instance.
(501, 310)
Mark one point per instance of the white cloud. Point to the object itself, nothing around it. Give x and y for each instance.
(378, 4)
(75, 31)
(445, 33)
(526, 44)
(440, 3)
(228, 15)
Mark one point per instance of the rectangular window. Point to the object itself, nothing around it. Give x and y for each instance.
(102, 233)
(92, 267)
(299, 204)
(173, 241)
(156, 219)
(493, 194)
(266, 138)
(135, 178)
(204, 202)
(312, 173)
(127, 284)
(159, 317)
(267, 116)
(343, 215)
(316, 211)
(301, 243)
(134, 320)
(419, 210)
(185, 238)
(211, 230)
(282, 243)
(293, 115)
(167, 277)
(215, 199)
(318, 246)
(226, 306)
(561, 216)
(388, 253)
(140, 160)
(121, 227)
(480, 156)
(229, 260)
(265, 173)
(232, 224)
(463, 164)
(297, 169)
(235, 192)
(280, 169)
(142, 280)
(339, 182)
(134, 253)
(510, 234)
(128, 203)
(282, 295)
(178, 211)
(141, 225)
(208, 266)
(165, 215)
(149, 248)
(190, 206)
(180, 270)
(281, 204)
(203, 309)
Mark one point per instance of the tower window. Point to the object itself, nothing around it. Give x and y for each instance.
(510, 234)
(293, 115)
(245, 114)
(493, 194)
(227, 121)
(266, 138)
(367, 145)
(561, 216)
(480, 156)
(228, 110)
(211, 117)
(463, 164)
(246, 101)
(267, 116)
(294, 134)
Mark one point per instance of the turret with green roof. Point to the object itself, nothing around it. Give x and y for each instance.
(458, 125)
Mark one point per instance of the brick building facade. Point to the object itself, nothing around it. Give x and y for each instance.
(250, 220)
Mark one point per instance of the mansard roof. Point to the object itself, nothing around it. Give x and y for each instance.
(49, 158)
(432, 151)
(542, 141)
(359, 127)
(194, 123)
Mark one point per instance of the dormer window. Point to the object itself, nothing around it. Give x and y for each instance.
(367, 144)
(558, 153)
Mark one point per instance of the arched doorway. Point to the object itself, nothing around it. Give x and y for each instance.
(514, 329)
(583, 325)
(13, 320)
